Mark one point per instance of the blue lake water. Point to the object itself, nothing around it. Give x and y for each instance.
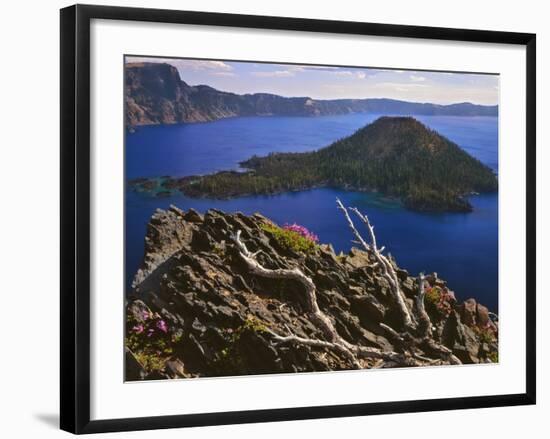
(461, 248)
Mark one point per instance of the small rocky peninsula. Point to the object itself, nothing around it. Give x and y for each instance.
(225, 294)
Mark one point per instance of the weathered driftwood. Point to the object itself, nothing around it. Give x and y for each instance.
(333, 340)
(382, 262)
(417, 323)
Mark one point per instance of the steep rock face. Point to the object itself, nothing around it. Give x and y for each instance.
(197, 310)
(155, 94)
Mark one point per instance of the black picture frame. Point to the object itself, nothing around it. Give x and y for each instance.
(75, 217)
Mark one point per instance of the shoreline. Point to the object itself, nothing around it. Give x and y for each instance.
(131, 129)
(161, 191)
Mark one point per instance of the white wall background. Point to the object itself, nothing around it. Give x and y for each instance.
(29, 248)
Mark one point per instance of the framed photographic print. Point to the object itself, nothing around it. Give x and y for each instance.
(268, 218)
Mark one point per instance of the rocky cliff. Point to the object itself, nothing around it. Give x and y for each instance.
(224, 294)
(155, 94)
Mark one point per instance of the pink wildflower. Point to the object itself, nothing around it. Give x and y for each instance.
(302, 231)
(161, 324)
(138, 329)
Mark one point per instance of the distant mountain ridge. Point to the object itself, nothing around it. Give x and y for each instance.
(156, 94)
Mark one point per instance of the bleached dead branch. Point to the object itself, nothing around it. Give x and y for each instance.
(382, 262)
(294, 274)
(417, 322)
(334, 341)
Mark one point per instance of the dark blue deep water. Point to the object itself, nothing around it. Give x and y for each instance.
(461, 248)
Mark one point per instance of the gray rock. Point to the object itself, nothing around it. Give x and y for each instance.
(193, 216)
(367, 307)
(220, 315)
(134, 369)
(468, 312)
(175, 368)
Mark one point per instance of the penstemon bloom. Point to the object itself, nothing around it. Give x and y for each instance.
(302, 231)
(161, 324)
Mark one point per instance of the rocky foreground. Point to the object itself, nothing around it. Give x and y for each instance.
(222, 294)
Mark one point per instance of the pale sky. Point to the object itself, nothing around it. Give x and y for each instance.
(323, 82)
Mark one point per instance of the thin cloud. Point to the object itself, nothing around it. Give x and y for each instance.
(417, 78)
(273, 74)
(216, 65)
(224, 74)
(345, 73)
(400, 85)
(349, 74)
(185, 64)
(321, 68)
(283, 72)
(293, 70)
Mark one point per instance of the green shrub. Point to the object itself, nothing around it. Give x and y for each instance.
(493, 356)
(290, 239)
(219, 250)
(254, 324)
(439, 300)
(484, 334)
(433, 295)
(151, 339)
(230, 359)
